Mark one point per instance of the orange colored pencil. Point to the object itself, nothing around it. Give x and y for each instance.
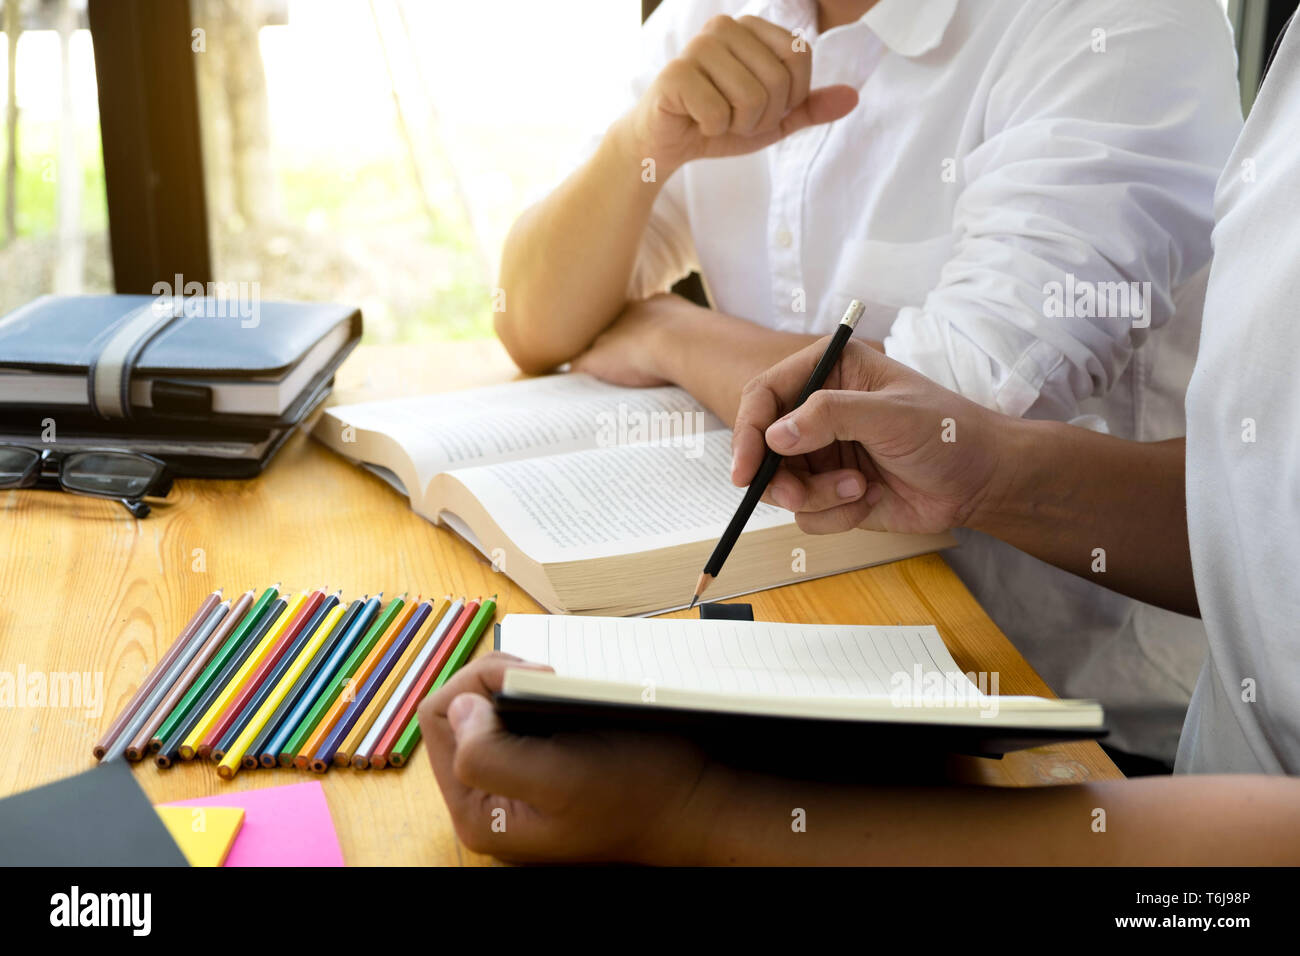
(358, 678)
(379, 757)
(343, 756)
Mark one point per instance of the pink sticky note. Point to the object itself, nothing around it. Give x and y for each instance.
(283, 826)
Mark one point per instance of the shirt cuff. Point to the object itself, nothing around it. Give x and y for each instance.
(946, 355)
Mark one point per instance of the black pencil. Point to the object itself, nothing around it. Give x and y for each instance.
(772, 461)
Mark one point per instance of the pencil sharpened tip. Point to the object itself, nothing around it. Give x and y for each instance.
(694, 601)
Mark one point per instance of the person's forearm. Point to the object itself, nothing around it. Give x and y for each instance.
(1109, 510)
(567, 260)
(1195, 820)
(713, 355)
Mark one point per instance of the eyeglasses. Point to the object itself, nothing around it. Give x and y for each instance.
(123, 475)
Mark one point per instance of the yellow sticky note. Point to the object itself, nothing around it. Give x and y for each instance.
(204, 834)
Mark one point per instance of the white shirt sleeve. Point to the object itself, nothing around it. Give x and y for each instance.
(1094, 163)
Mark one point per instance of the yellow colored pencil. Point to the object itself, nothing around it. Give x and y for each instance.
(343, 756)
(230, 763)
(190, 744)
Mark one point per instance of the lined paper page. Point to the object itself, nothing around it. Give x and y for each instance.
(736, 657)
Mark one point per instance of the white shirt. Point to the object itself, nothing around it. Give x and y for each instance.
(1243, 450)
(998, 146)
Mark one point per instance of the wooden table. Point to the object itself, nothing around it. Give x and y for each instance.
(85, 587)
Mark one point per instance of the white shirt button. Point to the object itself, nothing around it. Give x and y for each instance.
(784, 239)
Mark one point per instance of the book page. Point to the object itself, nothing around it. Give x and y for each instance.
(741, 657)
(518, 420)
(616, 500)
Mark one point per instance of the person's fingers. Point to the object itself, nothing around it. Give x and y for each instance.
(759, 406)
(475, 812)
(482, 676)
(702, 101)
(762, 401)
(792, 50)
(841, 518)
(831, 489)
(769, 68)
(822, 106)
(540, 771)
(471, 750)
(829, 415)
(745, 94)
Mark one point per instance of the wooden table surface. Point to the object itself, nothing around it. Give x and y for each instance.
(84, 587)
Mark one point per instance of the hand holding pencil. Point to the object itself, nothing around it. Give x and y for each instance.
(771, 460)
(882, 448)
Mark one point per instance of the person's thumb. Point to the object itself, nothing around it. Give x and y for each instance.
(822, 106)
(828, 416)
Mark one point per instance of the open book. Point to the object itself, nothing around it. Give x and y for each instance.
(593, 498)
(889, 687)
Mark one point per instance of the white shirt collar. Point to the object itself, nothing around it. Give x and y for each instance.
(907, 27)
(910, 27)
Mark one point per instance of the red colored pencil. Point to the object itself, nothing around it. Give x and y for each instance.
(146, 688)
(384, 748)
(254, 680)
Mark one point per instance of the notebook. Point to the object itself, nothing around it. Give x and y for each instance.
(209, 363)
(595, 499)
(99, 817)
(846, 690)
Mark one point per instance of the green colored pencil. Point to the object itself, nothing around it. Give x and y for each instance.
(228, 649)
(469, 640)
(335, 686)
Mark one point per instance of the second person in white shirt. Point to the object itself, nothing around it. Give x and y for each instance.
(1021, 192)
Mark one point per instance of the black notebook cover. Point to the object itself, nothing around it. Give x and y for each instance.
(98, 818)
(65, 334)
(818, 748)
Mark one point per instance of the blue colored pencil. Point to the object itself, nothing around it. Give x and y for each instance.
(325, 755)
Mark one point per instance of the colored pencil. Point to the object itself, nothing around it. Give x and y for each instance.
(355, 680)
(170, 749)
(250, 623)
(349, 721)
(151, 681)
(190, 746)
(379, 700)
(235, 694)
(139, 745)
(277, 745)
(361, 759)
(307, 725)
(233, 757)
(268, 675)
(258, 751)
(379, 757)
(410, 736)
(118, 747)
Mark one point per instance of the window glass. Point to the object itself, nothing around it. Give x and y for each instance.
(53, 217)
(376, 152)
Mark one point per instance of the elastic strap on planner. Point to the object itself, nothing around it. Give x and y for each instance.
(108, 381)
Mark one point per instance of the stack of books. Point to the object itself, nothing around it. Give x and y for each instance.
(212, 391)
